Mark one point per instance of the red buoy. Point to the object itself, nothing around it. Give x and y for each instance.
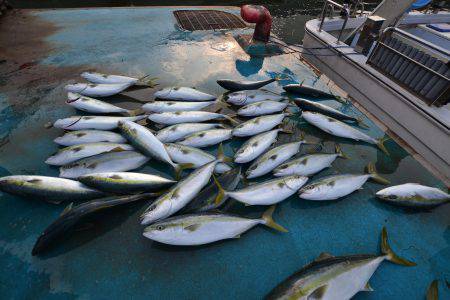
(261, 16)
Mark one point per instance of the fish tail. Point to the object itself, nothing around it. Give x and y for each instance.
(148, 82)
(361, 123)
(391, 256)
(231, 119)
(269, 222)
(222, 193)
(339, 152)
(221, 103)
(380, 145)
(134, 112)
(433, 291)
(372, 171)
(284, 128)
(221, 157)
(179, 168)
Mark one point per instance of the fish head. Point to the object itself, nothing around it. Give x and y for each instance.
(295, 182)
(242, 153)
(72, 97)
(235, 98)
(76, 87)
(159, 209)
(311, 191)
(163, 93)
(66, 122)
(165, 232)
(387, 195)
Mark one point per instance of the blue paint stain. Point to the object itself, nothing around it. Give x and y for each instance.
(113, 260)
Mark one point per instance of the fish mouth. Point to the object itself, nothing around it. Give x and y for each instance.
(73, 98)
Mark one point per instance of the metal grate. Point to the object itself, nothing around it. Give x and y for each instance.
(207, 20)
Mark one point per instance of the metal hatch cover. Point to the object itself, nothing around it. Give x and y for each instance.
(192, 20)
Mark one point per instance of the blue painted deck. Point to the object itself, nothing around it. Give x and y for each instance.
(112, 259)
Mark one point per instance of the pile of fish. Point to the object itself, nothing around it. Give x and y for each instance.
(101, 148)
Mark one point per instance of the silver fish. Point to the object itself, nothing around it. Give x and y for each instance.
(251, 96)
(47, 188)
(170, 106)
(308, 164)
(183, 94)
(177, 117)
(125, 182)
(73, 153)
(95, 106)
(267, 192)
(206, 227)
(71, 138)
(93, 122)
(261, 108)
(340, 129)
(195, 157)
(336, 186)
(179, 195)
(273, 158)
(178, 131)
(255, 146)
(106, 162)
(207, 138)
(258, 125)
(330, 277)
(97, 90)
(413, 195)
(144, 140)
(96, 77)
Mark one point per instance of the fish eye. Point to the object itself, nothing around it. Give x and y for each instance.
(392, 197)
(309, 187)
(160, 227)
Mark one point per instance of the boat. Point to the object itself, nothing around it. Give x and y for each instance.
(393, 62)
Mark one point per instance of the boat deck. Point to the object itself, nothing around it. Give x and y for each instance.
(45, 49)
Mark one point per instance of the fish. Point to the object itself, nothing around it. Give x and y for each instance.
(70, 154)
(273, 158)
(255, 146)
(433, 290)
(261, 108)
(308, 105)
(95, 77)
(179, 195)
(183, 94)
(413, 195)
(205, 228)
(125, 182)
(206, 200)
(265, 193)
(336, 277)
(207, 138)
(258, 125)
(336, 186)
(195, 157)
(176, 132)
(177, 117)
(97, 90)
(305, 90)
(72, 215)
(171, 106)
(51, 189)
(106, 162)
(146, 142)
(78, 137)
(340, 129)
(93, 122)
(309, 164)
(95, 106)
(240, 85)
(247, 97)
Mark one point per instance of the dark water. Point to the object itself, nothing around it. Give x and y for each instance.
(289, 16)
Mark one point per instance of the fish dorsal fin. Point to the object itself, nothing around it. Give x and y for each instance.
(67, 209)
(367, 288)
(117, 149)
(192, 227)
(323, 256)
(318, 293)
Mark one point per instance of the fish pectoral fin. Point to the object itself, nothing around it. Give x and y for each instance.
(237, 236)
(67, 209)
(318, 293)
(192, 227)
(323, 256)
(367, 288)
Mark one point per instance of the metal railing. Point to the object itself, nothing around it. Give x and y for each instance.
(328, 7)
(413, 63)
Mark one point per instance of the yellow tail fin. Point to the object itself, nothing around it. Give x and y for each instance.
(339, 152)
(433, 291)
(374, 175)
(134, 112)
(179, 168)
(269, 222)
(380, 145)
(391, 256)
(221, 195)
(221, 157)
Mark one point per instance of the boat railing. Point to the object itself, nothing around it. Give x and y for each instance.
(329, 8)
(417, 65)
